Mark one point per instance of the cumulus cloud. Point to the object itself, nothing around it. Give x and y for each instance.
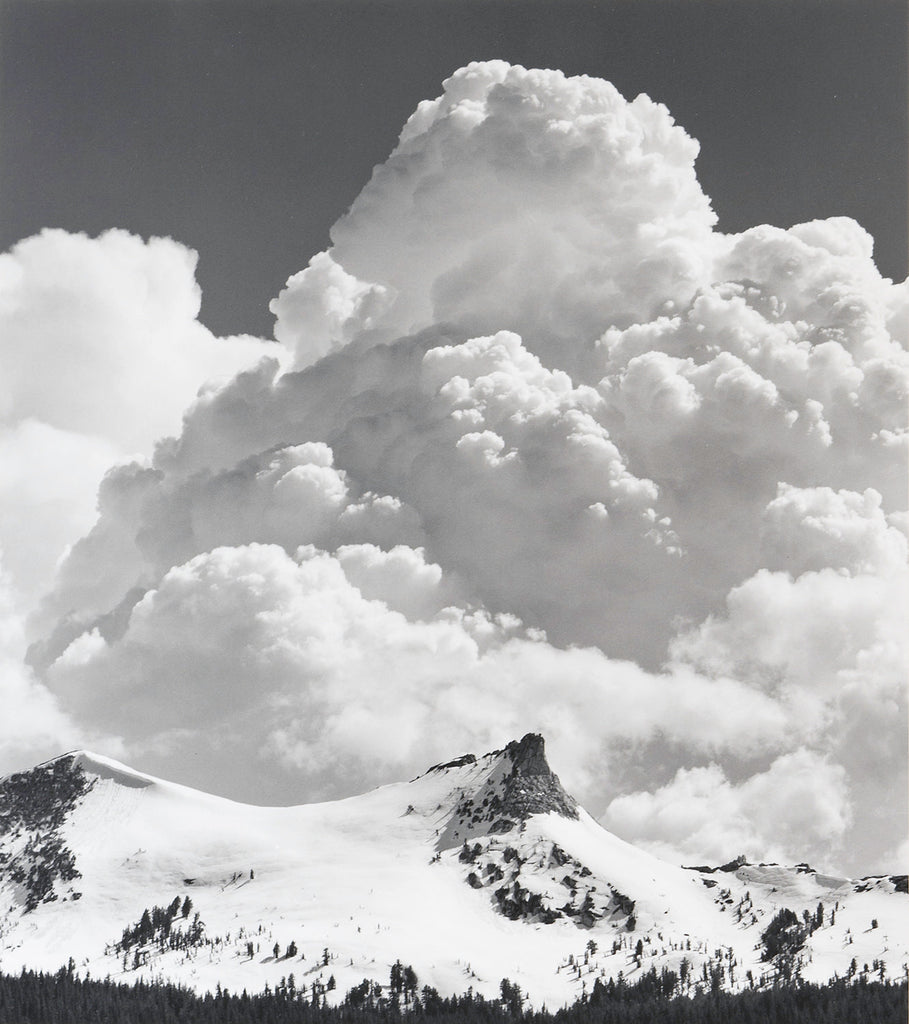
(100, 353)
(798, 807)
(832, 646)
(351, 664)
(323, 308)
(816, 528)
(100, 336)
(544, 450)
(526, 201)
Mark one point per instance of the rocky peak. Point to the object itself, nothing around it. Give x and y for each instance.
(531, 787)
(529, 754)
(502, 789)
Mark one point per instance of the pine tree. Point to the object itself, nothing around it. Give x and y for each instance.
(410, 982)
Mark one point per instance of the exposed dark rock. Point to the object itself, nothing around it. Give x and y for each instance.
(458, 762)
(500, 826)
(532, 787)
(34, 804)
(736, 863)
(558, 856)
(730, 867)
(519, 784)
(469, 854)
(626, 905)
(585, 904)
(870, 882)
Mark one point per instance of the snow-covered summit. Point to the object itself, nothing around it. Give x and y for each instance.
(480, 869)
(102, 767)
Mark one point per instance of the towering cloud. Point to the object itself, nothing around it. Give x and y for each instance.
(518, 200)
(546, 452)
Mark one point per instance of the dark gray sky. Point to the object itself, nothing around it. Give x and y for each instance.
(246, 129)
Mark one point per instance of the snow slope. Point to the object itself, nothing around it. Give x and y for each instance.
(478, 870)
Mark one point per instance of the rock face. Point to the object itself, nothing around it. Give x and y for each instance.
(533, 787)
(526, 880)
(499, 791)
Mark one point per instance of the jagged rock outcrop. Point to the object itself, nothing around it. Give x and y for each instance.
(496, 793)
(532, 787)
(495, 796)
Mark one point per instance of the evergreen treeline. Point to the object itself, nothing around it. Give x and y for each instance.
(63, 998)
(157, 927)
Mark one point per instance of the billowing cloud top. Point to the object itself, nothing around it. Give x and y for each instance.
(546, 452)
(519, 200)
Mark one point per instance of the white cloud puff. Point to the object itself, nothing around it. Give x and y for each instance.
(400, 577)
(815, 528)
(100, 353)
(833, 647)
(100, 336)
(322, 309)
(529, 201)
(797, 808)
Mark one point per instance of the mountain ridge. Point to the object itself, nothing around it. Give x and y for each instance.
(483, 867)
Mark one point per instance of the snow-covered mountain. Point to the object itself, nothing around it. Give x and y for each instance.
(480, 869)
